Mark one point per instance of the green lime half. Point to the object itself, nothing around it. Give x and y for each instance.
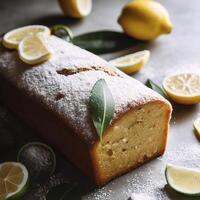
(13, 180)
(39, 159)
(183, 180)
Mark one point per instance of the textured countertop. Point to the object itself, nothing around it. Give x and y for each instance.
(179, 51)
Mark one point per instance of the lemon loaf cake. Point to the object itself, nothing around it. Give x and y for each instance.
(53, 97)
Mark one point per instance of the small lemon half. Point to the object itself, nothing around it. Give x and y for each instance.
(76, 8)
(34, 50)
(197, 128)
(12, 39)
(145, 19)
(13, 180)
(183, 88)
(131, 63)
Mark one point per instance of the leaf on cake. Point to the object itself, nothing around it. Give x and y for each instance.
(150, 84)
(101, 106)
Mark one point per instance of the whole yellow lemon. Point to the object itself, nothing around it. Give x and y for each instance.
(145, 19)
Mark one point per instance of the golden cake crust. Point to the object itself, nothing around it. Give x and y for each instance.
(54, 100)
(64, 83)
(102, 181)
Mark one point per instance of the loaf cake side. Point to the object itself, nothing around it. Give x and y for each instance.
(135, 138)
(62, 87)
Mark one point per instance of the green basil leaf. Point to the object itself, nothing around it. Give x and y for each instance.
(66, 191)
(149, 83)
(62, 31)
(100, 42)
(101, 106)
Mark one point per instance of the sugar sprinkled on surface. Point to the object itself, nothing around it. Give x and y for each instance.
(140, 196)
(149, 179)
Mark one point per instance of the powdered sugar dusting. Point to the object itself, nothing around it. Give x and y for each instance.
(43, 83)
(138, 183)
(148, 181)
(140, 196)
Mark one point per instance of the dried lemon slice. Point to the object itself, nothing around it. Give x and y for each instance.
(183, 88)
(12, 39)
(13, 180)
(33, 49)
(133, 62)
(197, 128)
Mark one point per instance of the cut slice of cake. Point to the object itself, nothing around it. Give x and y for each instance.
(53, 99)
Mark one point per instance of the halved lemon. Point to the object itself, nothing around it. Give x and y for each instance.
(13, 180)
(197, 128)
(12, 39)
(183, 180)
(183, 88)
(34, 49)
(133, 62)
(76, 8)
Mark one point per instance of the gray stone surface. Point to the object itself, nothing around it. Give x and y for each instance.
(179, 51)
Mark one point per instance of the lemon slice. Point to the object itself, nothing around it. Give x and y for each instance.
(76, 8)
(133, 62)
(183, 180)
(183, 88)
(33, 49)
(12, 39)
(13, 180)
(197, 128)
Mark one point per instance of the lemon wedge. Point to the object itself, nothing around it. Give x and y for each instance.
(76, 8)
(13, 180)
(183, 88)
(183, 180)
(197, 128)
(12, 39)
(133, 62)
(33, 49)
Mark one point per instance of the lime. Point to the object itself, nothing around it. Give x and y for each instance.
(13, 180)
(39, 159)
(183, 180)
